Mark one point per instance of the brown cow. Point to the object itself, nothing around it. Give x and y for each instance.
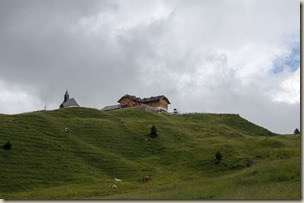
(113, 186)
(147, 178)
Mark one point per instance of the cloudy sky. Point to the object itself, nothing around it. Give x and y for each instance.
(223, 56)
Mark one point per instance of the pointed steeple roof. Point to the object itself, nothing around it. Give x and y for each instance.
(66, 92)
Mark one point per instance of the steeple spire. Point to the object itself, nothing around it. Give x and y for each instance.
(66, 96)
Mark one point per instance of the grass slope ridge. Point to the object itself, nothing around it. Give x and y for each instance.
(45, 163)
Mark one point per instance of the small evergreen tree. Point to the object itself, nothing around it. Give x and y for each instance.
(7, 145)
(218, 157)
(296, 131)
(153, 133)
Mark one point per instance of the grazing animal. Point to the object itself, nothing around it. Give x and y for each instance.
(117, 180)
(113, 186)
(66, 130)
(147, 178)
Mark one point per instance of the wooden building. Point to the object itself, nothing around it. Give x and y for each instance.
(160, 102)
(129, 101)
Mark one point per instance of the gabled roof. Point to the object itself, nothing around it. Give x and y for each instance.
(112, 107)
(134, 98)
(69, 102)
(157, 98)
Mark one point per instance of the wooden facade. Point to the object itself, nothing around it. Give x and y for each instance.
(157, 102)
(128, 102)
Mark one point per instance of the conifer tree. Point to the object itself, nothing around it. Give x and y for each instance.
(218, 157)
(153, 133)
(296, 131)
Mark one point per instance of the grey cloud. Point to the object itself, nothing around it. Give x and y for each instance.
(101, 50)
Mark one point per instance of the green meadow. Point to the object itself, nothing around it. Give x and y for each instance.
(44, 162)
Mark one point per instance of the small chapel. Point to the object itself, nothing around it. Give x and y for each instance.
(67, 102)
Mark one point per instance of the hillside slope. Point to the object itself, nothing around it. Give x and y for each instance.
(46, 163)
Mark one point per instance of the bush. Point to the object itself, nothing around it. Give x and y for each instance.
(296, 131)
(7, 145)
(218, 157)
(153, 133)
(249, 163)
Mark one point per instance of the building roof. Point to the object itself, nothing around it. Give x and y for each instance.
(157, 98)
(144, 100)
(134, 98)
(112, 107)
(69, 103)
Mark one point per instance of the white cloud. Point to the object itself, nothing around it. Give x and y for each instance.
(16, 99)
(289, 88)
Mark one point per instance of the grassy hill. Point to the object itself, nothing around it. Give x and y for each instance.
(46, 163)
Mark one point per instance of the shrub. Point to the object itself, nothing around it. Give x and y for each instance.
(153, 133)
(296, 131)
(249, 163)
(218, 157)
(7, 145)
